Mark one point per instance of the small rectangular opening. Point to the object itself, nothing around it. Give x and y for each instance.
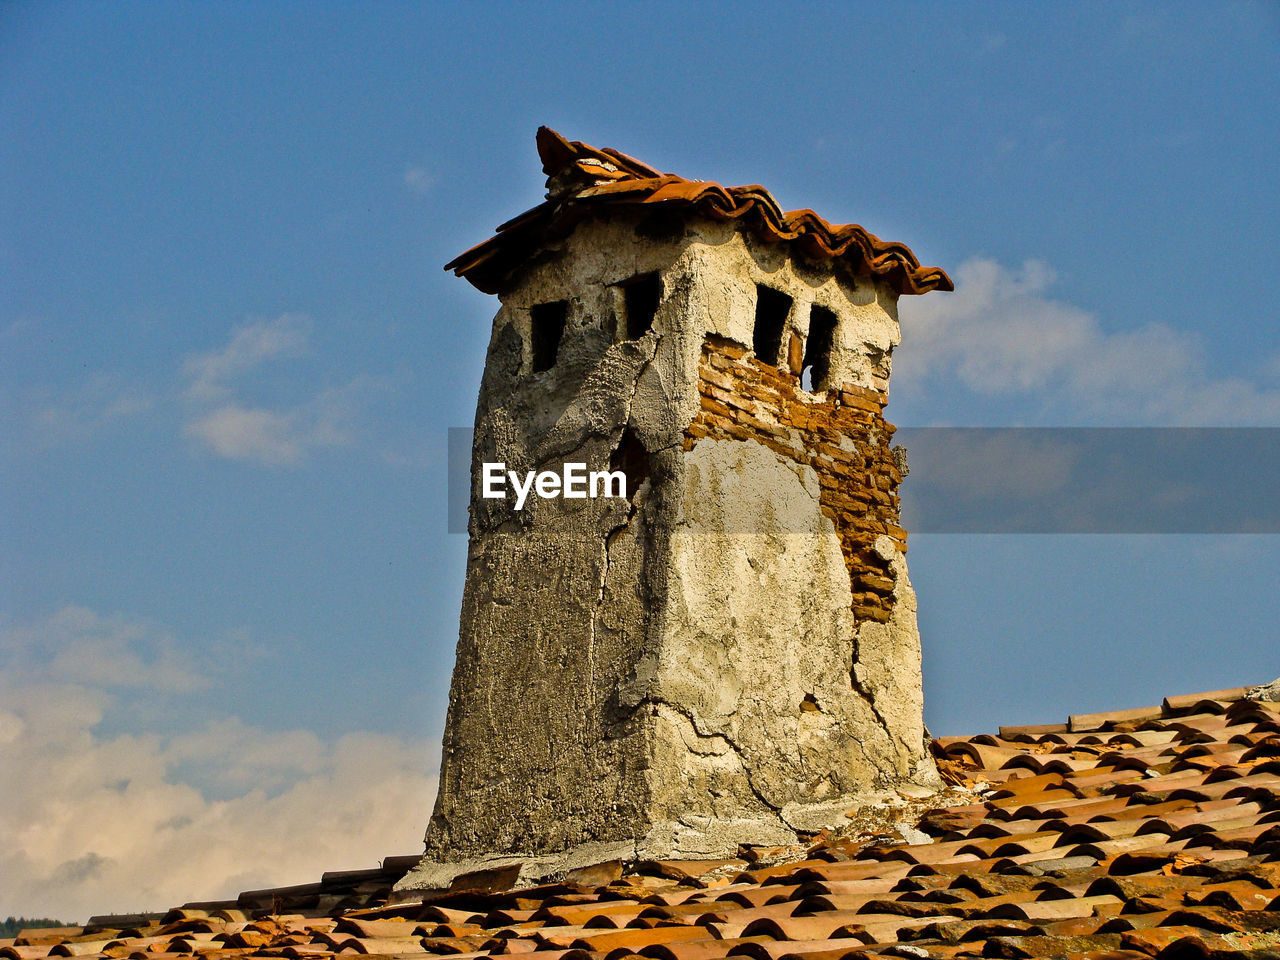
(772, 307)
(817, 349)
(545, 330)
(641, 296)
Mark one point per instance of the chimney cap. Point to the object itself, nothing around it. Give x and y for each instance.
(582, 178)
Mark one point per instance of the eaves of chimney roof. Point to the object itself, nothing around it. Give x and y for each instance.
(583, 180)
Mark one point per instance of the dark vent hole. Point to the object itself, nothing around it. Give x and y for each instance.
(817, 349)
(772, 308)
(641, 295)
(546, 329)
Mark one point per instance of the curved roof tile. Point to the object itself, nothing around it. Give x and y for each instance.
(582, 178)
(1109, 859)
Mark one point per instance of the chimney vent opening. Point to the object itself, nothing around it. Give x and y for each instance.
(641, 296)
(772, 308)
(816, 368)
(545, 330)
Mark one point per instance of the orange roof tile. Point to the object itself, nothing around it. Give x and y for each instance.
(1151, 859)
(583, 180)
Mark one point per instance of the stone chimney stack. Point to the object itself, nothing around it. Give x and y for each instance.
(728, 654)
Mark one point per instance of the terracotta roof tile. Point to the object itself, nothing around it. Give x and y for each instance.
(1161, 836)
(1098, 721)
(583, 181)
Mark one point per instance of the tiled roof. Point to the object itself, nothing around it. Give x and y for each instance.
(1133, 834)
(583, 181)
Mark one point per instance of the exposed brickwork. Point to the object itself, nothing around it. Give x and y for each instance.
(841, 434)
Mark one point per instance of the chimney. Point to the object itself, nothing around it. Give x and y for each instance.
(727, 654)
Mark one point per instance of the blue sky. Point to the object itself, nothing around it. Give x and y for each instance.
(229, 356)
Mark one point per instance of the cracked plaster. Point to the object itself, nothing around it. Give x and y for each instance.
(674, 675)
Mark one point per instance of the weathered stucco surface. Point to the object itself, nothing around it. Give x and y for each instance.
(686, 670)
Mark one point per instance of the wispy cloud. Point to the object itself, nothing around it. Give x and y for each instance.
(210, 376)
(224, 422)
(99, 823)
(243, 433)
(77, 645)
(1003, 335)
(256, 398)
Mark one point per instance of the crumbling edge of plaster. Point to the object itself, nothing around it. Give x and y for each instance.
(707, 840)
(434, 875)
(1267, 692)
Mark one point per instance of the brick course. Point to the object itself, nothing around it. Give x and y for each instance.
(841, 434)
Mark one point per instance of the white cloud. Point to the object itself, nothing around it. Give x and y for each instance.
(241, 433)
(237, 402)
(79, 646)
(1001, 334)
(250, 346)
(418, 180)
(223, 422)
(276, 438)
(99, 823)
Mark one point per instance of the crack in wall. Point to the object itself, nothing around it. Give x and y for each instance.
(635, 387)
(732, 745)
(617, 528)
(604, 580)
(840, 434)
(863, 692)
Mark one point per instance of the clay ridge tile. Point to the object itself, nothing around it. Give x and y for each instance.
(582, 178)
